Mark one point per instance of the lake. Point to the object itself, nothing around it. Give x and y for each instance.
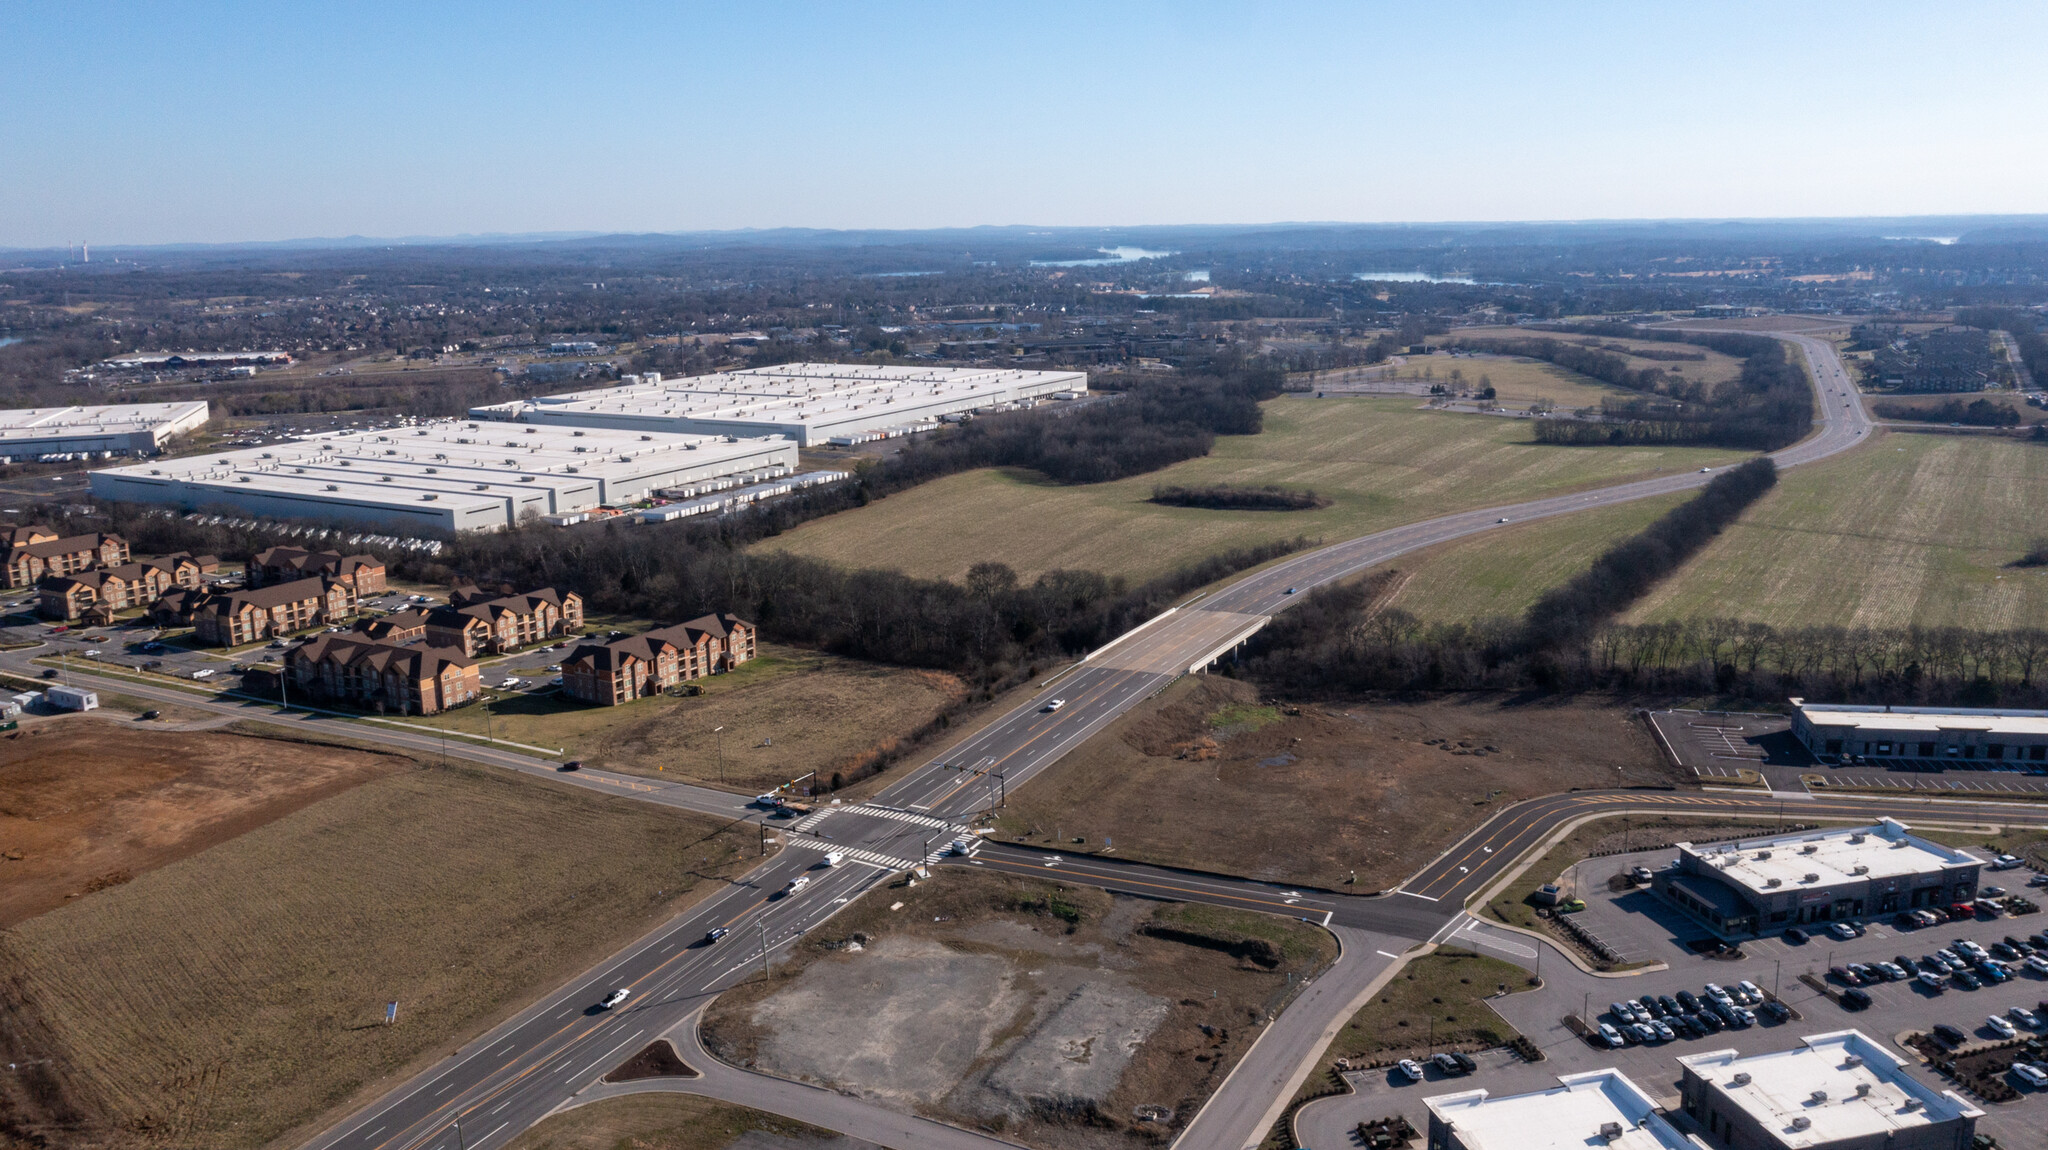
(1412, 278)
(1116, 255)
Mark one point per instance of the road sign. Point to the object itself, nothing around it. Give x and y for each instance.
(390, 1013)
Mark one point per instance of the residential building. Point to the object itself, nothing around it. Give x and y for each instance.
(69, 597)
(476, 622)
(284, 564)
(649, 663)
(382, 676)
(1593, 1108)
(1944, 734)
(397, 627)
(1835, 1091)
(28, 563)
(1768, 883)
(239, 617)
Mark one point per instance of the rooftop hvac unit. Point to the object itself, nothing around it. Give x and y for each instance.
(1810, 877)
(433, 471)
(1818, 1097)
(429, 497)
(1858, 837)
(533, 431)
(1762, 855)
(1863, 1090)
(1852, 1061)
(383, 479)
(1809, 848)
(576, 433)
(1912, 1104)
(1741, 1078)
(1802, 1123)
(1859, 868)
(1609, 1131)
(334, 487)
(1771, 882)
(241, 479)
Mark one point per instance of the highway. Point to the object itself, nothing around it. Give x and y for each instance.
(499, 1084)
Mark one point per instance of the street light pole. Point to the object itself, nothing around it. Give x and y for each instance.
(762, 925)
(720, 732)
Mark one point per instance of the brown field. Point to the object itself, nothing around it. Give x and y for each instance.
(670, 1122)
(1204, 776)
(967, 1000)
(785, 713)
(87, 804)
(235, 996)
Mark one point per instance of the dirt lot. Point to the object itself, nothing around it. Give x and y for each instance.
(1204, 776)
(87, 803)
(232, 997)
(676, 1122)
(1049, 1015)
(785, 713)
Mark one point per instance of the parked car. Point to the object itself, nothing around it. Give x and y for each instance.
(2000, 1026)
(1752, 990)
(2030, 1074)
(1967, 980)
(1907, 964)
(1845, 975)
(1448, 1065)
(2024, 1017)
(1710, 1020)
(1775, 1011)
(2038, 964)
(1992, 971)
(1950, 1034)
(1853, 999)
(1842, 931)
(1611, 1036)
(1691, 1002)
(1412, 1069)
(148, 715)
(1932, 981)
(1794, 934)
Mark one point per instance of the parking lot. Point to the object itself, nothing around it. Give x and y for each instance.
(1648, 929)
(1718, 746)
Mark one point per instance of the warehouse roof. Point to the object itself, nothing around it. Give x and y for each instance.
(1596, 1107)
(21, 423)
(1822, 858)
(1831, 1088)
(1926, 720)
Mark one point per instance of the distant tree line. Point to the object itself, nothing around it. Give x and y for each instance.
(1976, 413)
(1223, 498)
(1768, 406)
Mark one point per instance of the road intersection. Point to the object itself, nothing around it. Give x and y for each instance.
(553, 1052)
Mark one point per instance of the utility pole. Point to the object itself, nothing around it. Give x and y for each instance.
(487, 720)
(923, 854)
(720, 732)
(1777, 968)
(764, 839)
(762, 925)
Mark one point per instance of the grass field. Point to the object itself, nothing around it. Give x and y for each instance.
(661, 1122)
(785, 713)
(229, 998)
(1913, 529)
(1380, 460)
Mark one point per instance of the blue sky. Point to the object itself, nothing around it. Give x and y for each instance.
(169, 122)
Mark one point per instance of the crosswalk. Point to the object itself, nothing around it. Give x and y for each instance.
(808, 821)
(907, 817)
(876, 858)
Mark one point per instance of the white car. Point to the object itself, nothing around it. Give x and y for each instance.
(1755, 993)
(2000, 1026)
(203, 673)
(2025, 1017)
(1412, 1069)
(834, 858)
(92, 654)
(617, 996)
(1055, 705)
(1843, 931)
(507, 684)
(1933, 981)
(797, 884)
(2030, 1074)
(1611, 1036)
(1704, 470)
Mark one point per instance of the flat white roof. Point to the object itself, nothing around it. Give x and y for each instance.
(106, 419)
(1842, 1084)
(809, 394)
(1569, 1117)
(1885, 850)
(1925, 720)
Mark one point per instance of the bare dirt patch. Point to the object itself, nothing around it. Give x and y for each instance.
(1208, 775)
(88, 803)
(233, 997)
(1049, 1015)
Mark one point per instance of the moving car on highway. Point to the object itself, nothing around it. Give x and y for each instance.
(617, 996)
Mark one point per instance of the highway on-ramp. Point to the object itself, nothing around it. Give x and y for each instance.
(501, 1083)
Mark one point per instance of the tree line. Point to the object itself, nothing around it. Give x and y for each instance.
(1976, 413)
(1768, 406)
(1225, 498)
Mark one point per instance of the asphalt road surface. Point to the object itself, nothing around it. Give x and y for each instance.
(500, 1084)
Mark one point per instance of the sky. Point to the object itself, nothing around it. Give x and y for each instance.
(184, 122)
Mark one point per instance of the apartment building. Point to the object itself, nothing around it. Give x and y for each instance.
(239, 617)
(286, 564)
(477, 622)
(382, 676)
(608, 674)
(98, 592)
(29, 563)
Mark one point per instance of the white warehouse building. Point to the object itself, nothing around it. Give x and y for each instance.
(456, 475)
(28, 433)
(811, 403)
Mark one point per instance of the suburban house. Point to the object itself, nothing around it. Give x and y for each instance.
(239, 617)
(96, 593)
(397, 627)
(649, 663)
(477, 622)
(29, 563)
(287, 564)
(383, 676)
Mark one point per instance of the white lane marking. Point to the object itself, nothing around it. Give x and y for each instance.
(1388, 955)
(1423, 897)
(446, 1086)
